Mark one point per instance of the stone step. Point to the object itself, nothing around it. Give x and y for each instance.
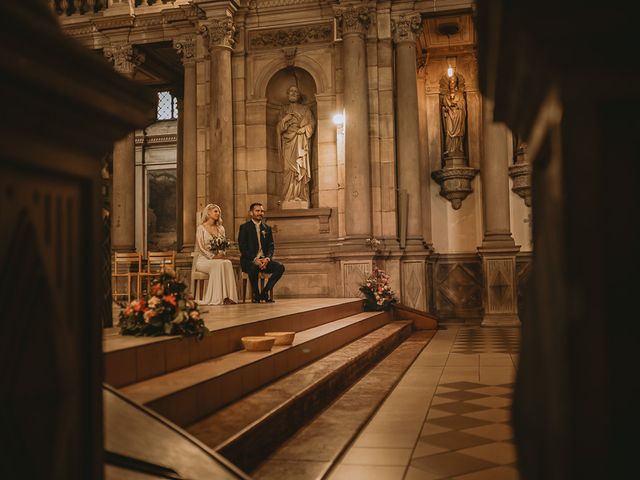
(185, 395)
(249, 430)
(314, 449)
(128, 360)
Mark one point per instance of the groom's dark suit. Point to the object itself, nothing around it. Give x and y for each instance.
(249, 248)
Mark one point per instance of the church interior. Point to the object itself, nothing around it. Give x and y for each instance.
(457, 281)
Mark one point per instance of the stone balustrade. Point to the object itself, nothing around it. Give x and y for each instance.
(88, 7)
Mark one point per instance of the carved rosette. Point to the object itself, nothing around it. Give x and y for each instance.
(353, 19)
(406, 27)
(219, 33)
(125, 58)
(455, 183)
(520, 171)
(186, 48)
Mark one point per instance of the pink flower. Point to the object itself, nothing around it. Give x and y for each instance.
(170, 299)
(148, 315)
(194, 314)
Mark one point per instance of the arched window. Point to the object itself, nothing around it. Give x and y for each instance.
(167, 106)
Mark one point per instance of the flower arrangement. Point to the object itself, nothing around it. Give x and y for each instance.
(219, 243)
(377, 291)
(168, 310)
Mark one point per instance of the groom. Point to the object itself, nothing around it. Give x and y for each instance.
(255, 241)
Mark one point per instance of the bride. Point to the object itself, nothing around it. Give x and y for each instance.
(221, 288)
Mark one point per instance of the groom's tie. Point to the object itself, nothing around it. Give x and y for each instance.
(260, 252)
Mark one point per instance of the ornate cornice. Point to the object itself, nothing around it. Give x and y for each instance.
(406, 27)
(168, 139)
(125, 58)
(219, 33)
(353, 19)
(285, 37)
(186, 48)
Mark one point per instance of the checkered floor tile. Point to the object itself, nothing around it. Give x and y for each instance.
(487, 340)
(467, 434)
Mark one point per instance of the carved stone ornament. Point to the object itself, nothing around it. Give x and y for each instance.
(286, 37)
(220, 33)
(406, 27)
(520, 171)
(125, 58)
(455, 183)
(353, 19)
(186, 48)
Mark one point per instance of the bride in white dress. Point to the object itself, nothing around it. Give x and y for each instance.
(221, 287)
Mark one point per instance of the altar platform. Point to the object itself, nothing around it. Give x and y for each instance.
(129, 359)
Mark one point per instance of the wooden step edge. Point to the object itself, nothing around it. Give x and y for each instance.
(158, 356)
(174, 382)
(421, 320)
(341, 443)
(251, 445)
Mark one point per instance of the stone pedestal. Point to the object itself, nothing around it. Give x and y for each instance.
(294, 204)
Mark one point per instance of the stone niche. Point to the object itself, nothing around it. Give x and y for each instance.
(276, 99)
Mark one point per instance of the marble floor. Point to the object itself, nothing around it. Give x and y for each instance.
(448, 418)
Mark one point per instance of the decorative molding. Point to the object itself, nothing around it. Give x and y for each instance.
(219, 33)
(500, 295)
(170, 139)
(354, 19)
(413, 290)
(406, 28)
(186, 48)
(353, 274)
(286, 37)
(125, 58)
(253, 4)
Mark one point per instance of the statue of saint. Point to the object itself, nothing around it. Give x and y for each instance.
(295, 128)
(454, 115)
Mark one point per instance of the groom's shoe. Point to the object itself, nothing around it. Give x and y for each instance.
(256, 299)
(266, 297)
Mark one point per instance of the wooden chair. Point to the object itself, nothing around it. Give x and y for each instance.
(263, 277)
(198, 279)
(158, 263)
(126, 265)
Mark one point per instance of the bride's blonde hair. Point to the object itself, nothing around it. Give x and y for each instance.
(205, 214)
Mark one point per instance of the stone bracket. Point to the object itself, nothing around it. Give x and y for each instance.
(520, 173)
(455, 183)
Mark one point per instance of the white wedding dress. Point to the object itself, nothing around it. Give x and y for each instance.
(222, 280)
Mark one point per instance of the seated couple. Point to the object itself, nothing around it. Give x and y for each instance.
(255, 241)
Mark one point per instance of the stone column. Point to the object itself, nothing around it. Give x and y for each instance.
(123, 214)
(405, 29)
(220, 36)
(186, 47)
(498, 250)
(354, 22)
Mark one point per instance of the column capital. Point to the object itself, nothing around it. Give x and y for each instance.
(124, 57)
(186, 48)
(219, 33)
(406, 27)
(354, 19)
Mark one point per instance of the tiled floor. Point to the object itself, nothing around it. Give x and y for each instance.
(449, 417)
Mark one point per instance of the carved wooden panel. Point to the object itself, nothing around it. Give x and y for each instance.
(458, 287)
(49, 322)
